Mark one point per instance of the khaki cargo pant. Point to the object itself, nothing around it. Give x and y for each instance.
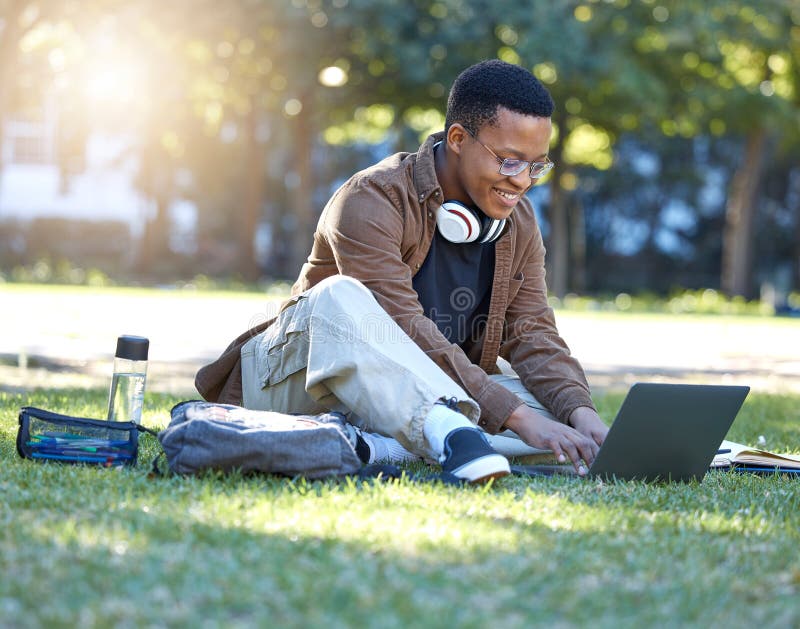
(335, 348)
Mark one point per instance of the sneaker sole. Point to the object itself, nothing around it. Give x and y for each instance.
(483, 469)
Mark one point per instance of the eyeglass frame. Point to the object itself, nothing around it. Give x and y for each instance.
(546, 166)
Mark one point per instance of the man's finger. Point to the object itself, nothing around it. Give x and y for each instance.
(588, 449)
(573, 454)
(557, 451)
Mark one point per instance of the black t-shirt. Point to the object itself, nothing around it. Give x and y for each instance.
(454, 286)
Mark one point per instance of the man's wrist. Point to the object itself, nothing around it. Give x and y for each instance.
(581, 414)
(513, 418)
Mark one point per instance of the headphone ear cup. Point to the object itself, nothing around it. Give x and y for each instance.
(457, 223)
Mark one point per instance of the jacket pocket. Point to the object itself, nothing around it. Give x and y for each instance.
(514, 284)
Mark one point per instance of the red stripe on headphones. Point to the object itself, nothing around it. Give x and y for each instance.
(465, 219)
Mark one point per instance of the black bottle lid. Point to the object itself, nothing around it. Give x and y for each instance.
(132, 347)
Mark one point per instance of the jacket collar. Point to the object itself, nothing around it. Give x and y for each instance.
(425, 180)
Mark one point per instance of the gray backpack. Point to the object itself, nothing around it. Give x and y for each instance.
(205, 436)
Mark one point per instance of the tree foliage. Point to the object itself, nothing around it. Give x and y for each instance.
(677, 121)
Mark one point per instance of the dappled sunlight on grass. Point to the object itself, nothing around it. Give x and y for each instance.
(261, 545)
(108, 546)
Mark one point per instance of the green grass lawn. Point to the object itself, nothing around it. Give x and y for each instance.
(97, 548)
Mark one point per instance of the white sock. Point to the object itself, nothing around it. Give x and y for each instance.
(440, 422)
(386, 449)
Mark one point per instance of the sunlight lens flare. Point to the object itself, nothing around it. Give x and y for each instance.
(113, 82)
(333, 76)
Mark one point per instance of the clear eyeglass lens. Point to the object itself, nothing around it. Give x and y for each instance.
(512, 167)
(539, 169)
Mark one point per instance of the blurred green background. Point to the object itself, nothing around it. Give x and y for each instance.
(153, 142)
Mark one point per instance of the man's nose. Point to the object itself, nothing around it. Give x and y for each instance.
(522, 181)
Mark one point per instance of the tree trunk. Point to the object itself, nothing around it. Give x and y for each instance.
(738, 236)
(558, 245)
(796, 252)
(558, 250)
(577, 245)
(303, 195)
(154, 248)
(253, 200)
(156, 180)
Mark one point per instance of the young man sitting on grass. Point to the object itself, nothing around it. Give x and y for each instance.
(425, 268)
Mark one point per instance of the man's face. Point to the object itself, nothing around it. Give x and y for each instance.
(513, 136)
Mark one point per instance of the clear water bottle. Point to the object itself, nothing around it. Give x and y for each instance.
(127, 384)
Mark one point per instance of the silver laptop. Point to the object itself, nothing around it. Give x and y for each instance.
(663, 432)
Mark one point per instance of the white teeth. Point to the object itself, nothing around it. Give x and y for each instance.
(505, 195)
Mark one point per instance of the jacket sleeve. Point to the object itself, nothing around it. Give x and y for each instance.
(533, 345)
(363, 225)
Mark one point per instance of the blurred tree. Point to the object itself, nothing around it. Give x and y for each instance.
(256, 110)
(683, 67)
(414, 53)
(757, 54)
(397, 63)
(731, 65)
(284, 73)
(158, 117)
(254, 84)
(596, 87)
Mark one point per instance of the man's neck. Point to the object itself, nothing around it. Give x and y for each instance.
(451, 190)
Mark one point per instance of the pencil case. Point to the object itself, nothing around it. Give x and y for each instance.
(47, 436)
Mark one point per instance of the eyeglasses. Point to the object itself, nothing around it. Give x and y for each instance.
(511, 167)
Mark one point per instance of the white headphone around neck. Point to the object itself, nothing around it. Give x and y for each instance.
(459, 223)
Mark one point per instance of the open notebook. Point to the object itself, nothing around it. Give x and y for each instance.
(731, 455)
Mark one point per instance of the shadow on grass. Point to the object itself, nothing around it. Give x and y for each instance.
(148, 560)
(106, 547)
(100, 547)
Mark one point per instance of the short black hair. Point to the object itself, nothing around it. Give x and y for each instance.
(480, 89)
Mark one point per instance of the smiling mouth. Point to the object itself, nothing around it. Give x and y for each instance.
(506, 196)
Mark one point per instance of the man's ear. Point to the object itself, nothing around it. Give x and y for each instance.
(456, 135)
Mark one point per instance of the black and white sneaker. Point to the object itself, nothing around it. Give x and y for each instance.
(468, 455)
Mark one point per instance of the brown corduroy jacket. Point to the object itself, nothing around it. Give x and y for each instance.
(378, 228)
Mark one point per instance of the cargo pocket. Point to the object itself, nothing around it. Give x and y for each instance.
(283, 348)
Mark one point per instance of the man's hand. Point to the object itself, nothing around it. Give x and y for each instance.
(587, 422)
(566, 442)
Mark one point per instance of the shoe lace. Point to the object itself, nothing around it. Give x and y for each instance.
(451, 403)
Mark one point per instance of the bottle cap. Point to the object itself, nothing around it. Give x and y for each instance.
(132, 347)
